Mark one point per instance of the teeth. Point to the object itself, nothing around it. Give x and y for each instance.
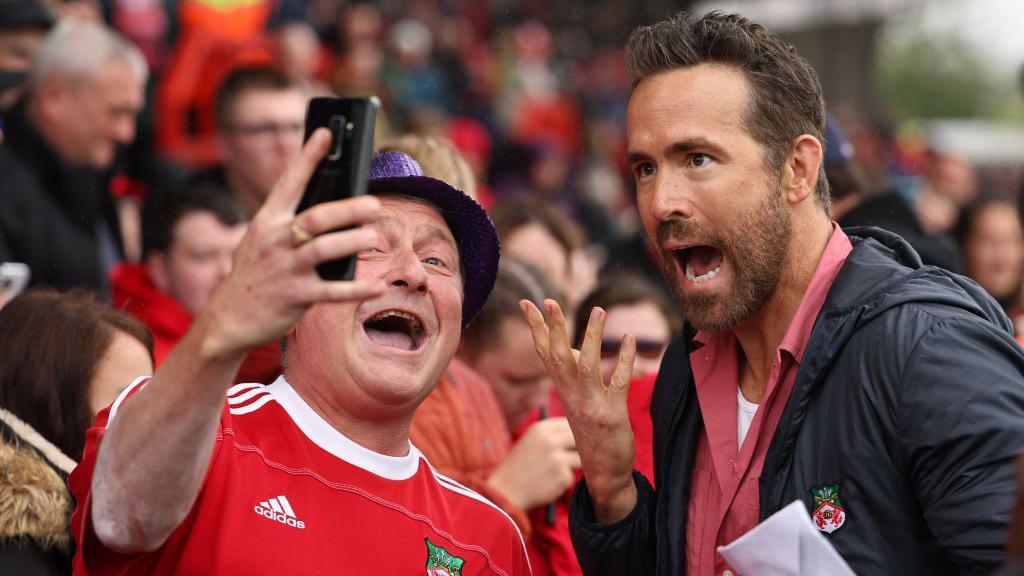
(702, 278)
(395, 313)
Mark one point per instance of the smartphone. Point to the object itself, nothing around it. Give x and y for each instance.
(14, 277)
(344, 171)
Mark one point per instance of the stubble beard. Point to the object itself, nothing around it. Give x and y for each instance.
(756, 251)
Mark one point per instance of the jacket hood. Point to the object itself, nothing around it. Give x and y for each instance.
(883, 271)
(134, 292)
(35, 503)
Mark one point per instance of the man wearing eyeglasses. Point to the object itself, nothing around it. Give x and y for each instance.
(260, 117)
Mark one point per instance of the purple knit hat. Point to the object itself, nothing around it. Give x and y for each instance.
(472, 228)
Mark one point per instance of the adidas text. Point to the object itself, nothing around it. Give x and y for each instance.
(279, 510)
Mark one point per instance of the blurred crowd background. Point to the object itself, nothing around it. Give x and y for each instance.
(139, 136)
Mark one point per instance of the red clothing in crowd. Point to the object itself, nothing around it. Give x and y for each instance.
(724, 491)
(134, 292)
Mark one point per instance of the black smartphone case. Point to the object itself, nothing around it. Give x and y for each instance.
(344, 171)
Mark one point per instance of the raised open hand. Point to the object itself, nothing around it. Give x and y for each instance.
(596, 410)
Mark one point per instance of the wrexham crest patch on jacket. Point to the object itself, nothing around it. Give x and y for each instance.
(442, 563)
(828, 514)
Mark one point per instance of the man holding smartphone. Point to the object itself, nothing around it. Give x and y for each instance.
(315, 473)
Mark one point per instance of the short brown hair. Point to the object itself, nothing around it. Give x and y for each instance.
(624, 289)
(52, 344)
(242, 80)
(511, 215)
(516, 281)
(785, 93)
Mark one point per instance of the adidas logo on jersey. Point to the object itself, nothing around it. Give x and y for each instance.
(279, 510)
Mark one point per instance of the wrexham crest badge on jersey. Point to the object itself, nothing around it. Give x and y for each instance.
(829, 514)
(441, 563)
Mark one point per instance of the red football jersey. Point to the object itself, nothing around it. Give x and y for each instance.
(286, 493)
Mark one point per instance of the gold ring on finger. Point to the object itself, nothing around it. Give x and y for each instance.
(299, 234)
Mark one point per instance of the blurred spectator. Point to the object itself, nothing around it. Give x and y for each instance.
(496, 344)
(23, 24)
(465, 433)
(991, 237)
(542, 464)
(214, 38)
(438, 158)
(298, 55)
(84, 92)
(532, 232)
(854, 205)
(260, 118)
(470, 137)
(952, 177)
(636, 306)
(539, 112)
(411, 77)
(147, 24)
(66, 357)
(190, 236)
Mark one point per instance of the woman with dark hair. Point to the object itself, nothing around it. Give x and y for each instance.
(65, 357)
(991, 237)
(636, 305)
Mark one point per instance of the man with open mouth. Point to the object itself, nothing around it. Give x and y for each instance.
(817, 365)
(313, 474)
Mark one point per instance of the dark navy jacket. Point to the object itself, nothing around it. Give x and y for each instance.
(910, 397)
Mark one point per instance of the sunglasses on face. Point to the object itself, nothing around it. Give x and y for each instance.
(645, 348)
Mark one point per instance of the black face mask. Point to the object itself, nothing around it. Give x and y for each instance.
(12, 79)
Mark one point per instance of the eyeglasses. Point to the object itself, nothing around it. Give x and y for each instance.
(264, 132)
(645, 348)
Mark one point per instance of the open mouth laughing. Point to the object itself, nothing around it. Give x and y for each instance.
(397, 329)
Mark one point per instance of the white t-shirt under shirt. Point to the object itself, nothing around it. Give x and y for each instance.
(745, 411)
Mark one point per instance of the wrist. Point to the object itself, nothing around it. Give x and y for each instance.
(613, 499)
(500, 484)
(213, 341)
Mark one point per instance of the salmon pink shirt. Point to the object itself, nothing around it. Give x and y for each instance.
(724, 499)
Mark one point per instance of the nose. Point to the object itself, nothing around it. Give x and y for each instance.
(123, 130)
(288, 140)
(224, 265)
(407, 271)
(670, 199)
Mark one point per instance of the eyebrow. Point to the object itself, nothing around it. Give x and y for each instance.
(437, 233)
(682, 147)
(433, 232)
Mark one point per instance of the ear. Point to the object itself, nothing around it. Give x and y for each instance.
(156, 265)
(800, 174)
(52, 95)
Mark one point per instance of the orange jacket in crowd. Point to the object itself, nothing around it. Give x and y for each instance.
(216, 37)
(461, 429)
(134, 292)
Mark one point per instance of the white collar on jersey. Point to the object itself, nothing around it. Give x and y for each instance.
(330, 439)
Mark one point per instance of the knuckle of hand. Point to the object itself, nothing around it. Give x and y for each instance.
(292, 292)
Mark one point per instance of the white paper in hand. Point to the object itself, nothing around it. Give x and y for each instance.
(786, 544)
